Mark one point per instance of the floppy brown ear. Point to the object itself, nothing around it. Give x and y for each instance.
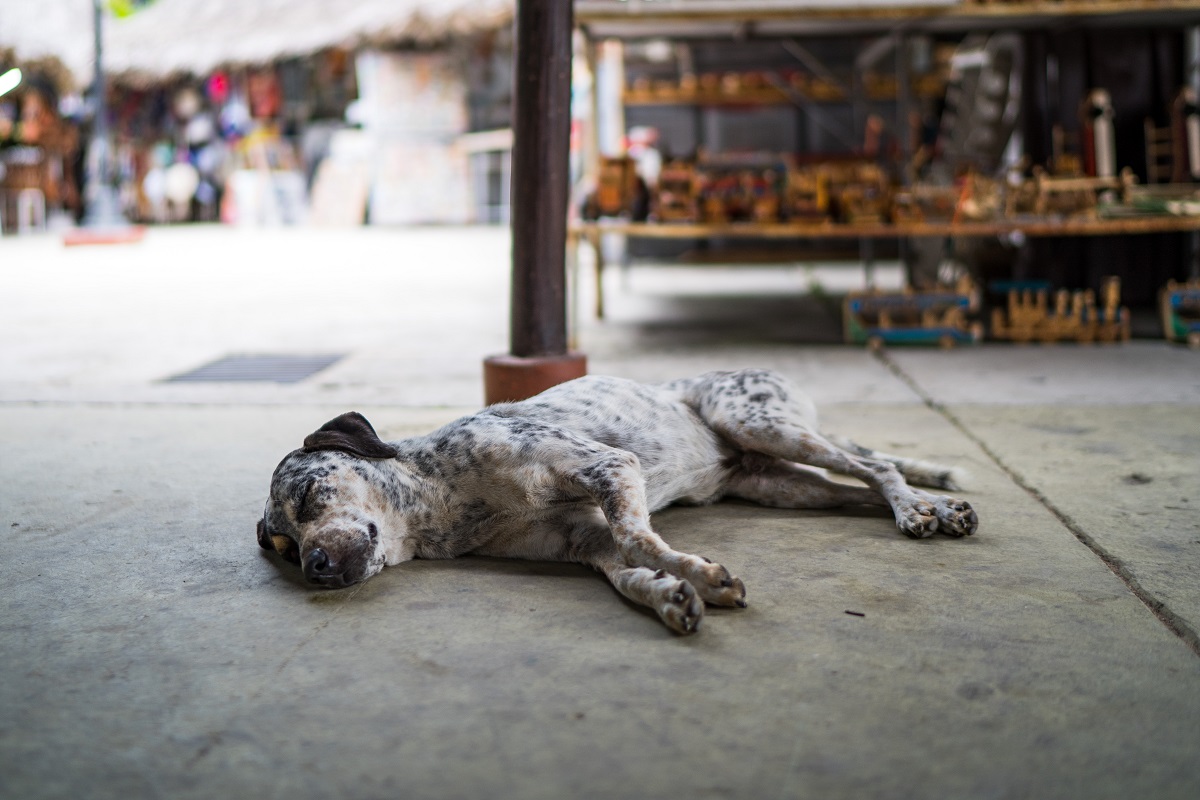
(264, 539)
(349, 433)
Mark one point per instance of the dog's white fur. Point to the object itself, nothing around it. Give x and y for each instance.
(574, 474)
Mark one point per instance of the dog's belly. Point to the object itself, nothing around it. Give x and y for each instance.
(695, 487)
(682, 459)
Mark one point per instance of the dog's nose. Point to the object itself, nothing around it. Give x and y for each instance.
(316, 560)
(318, 567)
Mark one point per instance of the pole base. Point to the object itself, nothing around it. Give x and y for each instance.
(509, 378)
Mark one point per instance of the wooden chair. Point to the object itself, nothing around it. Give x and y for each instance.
(1160, 153)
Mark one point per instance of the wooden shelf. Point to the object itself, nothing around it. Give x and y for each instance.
(639, 20)
(762, 96)
(592, 232)
(1037, 227)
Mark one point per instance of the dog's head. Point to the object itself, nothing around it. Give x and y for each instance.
(329, 509)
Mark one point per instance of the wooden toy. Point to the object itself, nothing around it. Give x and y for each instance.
(763, 195)
(862, 192)
(619, 192)
(677, 196)
(1185, 124)
(1065, 160)
(1161, 156)
(938, 317)
(974, 198)
(741, 188)
(1173, 151)
(1098, 134)
(1076, 196)
(1075, 316)
(1180, 305)
(806, 197)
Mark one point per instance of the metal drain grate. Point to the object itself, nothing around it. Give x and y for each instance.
(261, 368)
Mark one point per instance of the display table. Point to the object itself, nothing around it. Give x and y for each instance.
(593, 232)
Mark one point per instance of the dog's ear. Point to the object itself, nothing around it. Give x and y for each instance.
(264, 539)
(283, 545)
(349, 433)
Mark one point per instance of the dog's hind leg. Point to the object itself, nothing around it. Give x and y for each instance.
(922, 473)
(758, 412)
(614, 480)
(781, 484)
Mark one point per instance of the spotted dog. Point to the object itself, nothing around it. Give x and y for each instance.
(573, 474)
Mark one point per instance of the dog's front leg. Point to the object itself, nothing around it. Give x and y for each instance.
(615, 482)
(672, 598)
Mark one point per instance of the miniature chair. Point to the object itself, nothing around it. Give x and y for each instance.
(1160, 153)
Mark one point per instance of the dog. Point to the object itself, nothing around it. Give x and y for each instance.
(573, 475)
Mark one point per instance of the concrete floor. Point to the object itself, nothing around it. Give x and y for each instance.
(149, 648)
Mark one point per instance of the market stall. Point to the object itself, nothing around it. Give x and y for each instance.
(938, 125)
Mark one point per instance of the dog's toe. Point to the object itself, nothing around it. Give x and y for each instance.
(917, 522)
(681, 609)
(717, 586)
(732, 592)
(957, 518)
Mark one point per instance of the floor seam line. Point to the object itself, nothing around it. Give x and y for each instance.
(1172, 621)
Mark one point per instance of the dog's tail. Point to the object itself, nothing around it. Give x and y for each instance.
(922, 473)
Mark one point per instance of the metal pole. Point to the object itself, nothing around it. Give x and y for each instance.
(1192, 78)
(541, 130)
(539, 357)
(103, 205)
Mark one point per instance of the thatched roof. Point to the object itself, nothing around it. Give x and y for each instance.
(56, 32)
(174, 37)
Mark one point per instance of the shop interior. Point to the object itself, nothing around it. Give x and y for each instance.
(1032, 166)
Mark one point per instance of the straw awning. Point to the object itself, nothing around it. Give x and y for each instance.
(175, 37)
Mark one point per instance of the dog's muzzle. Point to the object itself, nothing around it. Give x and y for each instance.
(320, 569)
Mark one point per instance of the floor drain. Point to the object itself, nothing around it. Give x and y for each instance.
(257, 368)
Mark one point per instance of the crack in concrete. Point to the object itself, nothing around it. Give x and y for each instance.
(1163, 613)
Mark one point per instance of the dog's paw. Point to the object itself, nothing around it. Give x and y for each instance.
(937, 514)
(715, 584)
(918, 520)
(678, 605)
(955, 517)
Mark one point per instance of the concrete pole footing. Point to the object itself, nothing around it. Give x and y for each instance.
(507, 378)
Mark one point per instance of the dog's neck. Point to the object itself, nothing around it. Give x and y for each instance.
(417, 504)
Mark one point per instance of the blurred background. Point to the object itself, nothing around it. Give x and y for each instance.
(399, 112)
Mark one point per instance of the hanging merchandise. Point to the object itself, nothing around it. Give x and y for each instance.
(217, 88)
(265, 94)
(187, 103)
(234, 118)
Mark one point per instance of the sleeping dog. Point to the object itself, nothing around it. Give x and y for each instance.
(574, 473)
